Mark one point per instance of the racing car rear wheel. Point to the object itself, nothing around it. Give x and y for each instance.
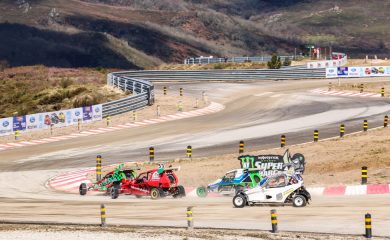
(201, 191)
(155, 193)
(83, 189)
(114, 191)
(239, 201)
(181, 192)
(299, 201)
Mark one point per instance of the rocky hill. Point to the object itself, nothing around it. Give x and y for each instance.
(136, 34)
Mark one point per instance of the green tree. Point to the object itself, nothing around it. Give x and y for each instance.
(275, 62)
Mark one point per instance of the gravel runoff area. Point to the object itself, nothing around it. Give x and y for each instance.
(168, 105)
(328, 163)
(368, 86)
(75, 232)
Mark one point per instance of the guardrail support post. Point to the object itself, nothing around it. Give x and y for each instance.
(98, 167)
(103, 215)
(383, 92)
(151, 154)
(189, 151)
(274, 221)
(386, 121)
(342, 130)
(316, 135)
(241, 147)
(17, 135)
(365, 125)
(364, 175)
(368, 225)
(283, 140)
(190, 220)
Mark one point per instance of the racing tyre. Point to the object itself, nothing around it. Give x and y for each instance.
(299, 201)
(114, 192)
(239, 201)
(201, 192)
(180, 192)
(155, 193)
(83, 189)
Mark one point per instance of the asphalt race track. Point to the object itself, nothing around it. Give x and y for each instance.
(257, 112)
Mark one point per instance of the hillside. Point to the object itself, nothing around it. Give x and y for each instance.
(136, 34)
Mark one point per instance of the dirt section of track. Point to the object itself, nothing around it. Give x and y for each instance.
(21, 231)
(368, 87)
(333, 162)
(168, 105)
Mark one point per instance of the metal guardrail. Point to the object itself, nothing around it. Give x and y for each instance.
(207, 60)
(140, 82)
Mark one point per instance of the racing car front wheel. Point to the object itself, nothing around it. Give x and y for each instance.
(155, 193)
(239, 201)
(201, 191)
(83, 189)
(114, 191)
(299, 201)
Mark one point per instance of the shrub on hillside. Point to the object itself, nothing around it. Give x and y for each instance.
(275, 62)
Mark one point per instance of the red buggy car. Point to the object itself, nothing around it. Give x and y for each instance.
(155, 183)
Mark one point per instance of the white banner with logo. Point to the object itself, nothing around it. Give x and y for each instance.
(97, 112)
(6, 126)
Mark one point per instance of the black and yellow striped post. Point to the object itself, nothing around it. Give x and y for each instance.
(98, 167)
(361, 88)
(51, 129)
(316, 135)
(383, 92)
(386, 121)
(17, 135)
(190, 220)
(189, 151)
(274, 221)
(241, 147)
(181, 92)
(103, 215)
(330, 86)
(78, 124)
(151, 154)
(342, 130)
(365, 125)
(364, 175)
(134, 116)
(108, 120)
(283, 141)
(368, 225)
(165, 90)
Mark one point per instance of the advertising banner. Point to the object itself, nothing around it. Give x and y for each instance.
(375, 71)
(87, 114)
(35, 121)
(342, 72)
(77, 113)
(5, 126)
(331, 72)
(97, 112)
(271, 164)
(19, 123)
(354, 72)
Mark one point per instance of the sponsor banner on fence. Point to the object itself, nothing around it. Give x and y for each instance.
(34, 121)
(97, 113)
(87, 114)
(370, 71)
(77, 113)
(19, 123)
(6, 126)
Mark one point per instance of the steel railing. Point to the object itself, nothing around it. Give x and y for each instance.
(207, 60)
